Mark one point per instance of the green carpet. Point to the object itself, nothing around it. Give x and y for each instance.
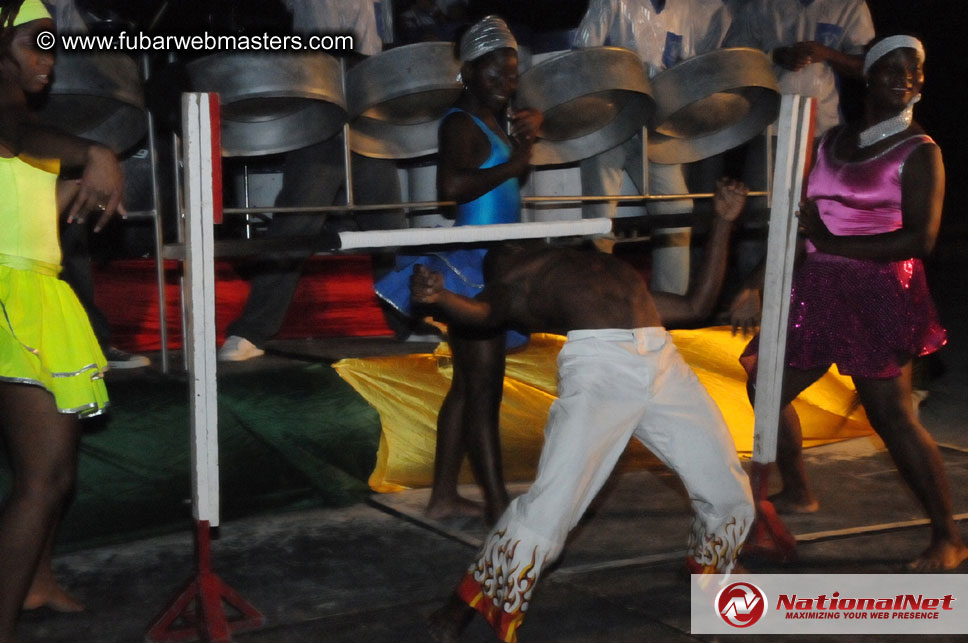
(288, 439)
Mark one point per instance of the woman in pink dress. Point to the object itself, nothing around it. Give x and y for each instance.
(860, 299)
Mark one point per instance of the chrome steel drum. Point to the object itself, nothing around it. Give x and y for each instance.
(711, 103)
(592, 99)
(397, 98)
(273, 103)
(99, 97)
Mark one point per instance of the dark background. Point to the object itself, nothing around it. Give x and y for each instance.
(939, 23)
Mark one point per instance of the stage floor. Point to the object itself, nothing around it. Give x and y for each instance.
(374, 570)
(370, 567)
(347, 565)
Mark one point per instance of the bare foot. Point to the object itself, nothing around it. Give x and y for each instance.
(459, 506)
(940, 557)
(447, 622)
(53, 596)
(788, 503)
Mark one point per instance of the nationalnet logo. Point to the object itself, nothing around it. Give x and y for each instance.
(830, 603)
(741, 604)
(899, 606)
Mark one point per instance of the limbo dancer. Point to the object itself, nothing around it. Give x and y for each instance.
(620, 376)
(860, 299)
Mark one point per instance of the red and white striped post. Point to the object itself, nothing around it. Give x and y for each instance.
(794, 145)
(198, 611)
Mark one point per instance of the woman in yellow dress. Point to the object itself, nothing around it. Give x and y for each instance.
(51, 368)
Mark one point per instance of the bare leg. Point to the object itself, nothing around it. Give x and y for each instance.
(449, 456)
(485, 381)
(42, 445)
(44, 590)
(468, 423)
(795, 497)
(889, 408)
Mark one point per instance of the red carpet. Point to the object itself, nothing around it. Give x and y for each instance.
(334, 299)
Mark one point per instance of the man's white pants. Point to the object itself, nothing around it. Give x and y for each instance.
(615, 384)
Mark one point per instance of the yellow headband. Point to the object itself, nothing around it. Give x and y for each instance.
(31, 10)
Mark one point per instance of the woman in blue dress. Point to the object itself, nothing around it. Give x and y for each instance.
(479, 167)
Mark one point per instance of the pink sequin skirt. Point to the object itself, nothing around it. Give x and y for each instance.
(867, 317)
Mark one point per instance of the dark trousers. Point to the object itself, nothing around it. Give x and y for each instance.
(313, 176)
(76, 271)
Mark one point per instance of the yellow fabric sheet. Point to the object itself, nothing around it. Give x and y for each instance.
(407, 392)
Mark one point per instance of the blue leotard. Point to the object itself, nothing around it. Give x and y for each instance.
(503, 203)
(463, 269)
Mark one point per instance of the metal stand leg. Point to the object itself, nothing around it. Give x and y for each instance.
(198, 610)
(159, 227)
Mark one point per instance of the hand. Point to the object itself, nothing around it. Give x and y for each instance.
(744, 312)
(525, 125)
(730, 198)
(100, 188)
(799, 55)
(426, 286)
(811, 225)
(520, 160)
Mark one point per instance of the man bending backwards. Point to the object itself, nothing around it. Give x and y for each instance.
(619, 376)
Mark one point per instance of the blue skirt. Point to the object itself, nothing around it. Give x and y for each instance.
(463, 272)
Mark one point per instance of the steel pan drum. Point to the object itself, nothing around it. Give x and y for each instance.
(270, 103)
(711, 103)
(592, 99)
(99, 97)
(397, 98)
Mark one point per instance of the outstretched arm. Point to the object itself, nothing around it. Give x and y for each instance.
(485, 311)
(101, 184)
(801, 54)
(698, 303)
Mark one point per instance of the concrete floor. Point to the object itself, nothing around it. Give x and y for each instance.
(373, 573)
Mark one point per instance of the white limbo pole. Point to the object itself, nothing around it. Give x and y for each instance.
(198, 610)
(201, 156)
(793, 144)
(770, 537)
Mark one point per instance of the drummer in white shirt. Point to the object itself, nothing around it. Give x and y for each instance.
(663, 33)
(811, 42)
(314, 176)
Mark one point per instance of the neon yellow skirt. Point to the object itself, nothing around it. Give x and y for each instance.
(46, 339)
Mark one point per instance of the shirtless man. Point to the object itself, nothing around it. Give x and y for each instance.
(619, 376)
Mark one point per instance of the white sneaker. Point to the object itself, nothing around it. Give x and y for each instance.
(238, 349)
(120, 360)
